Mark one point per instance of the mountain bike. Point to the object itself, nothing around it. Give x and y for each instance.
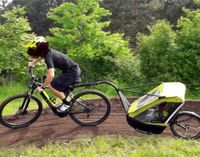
(88, 107)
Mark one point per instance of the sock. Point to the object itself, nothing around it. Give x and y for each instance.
(65, 101)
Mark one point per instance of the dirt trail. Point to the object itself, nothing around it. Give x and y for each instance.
(52, 128)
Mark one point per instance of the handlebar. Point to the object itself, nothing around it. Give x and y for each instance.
(33, 78)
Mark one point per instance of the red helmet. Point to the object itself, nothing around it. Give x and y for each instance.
(38, 47)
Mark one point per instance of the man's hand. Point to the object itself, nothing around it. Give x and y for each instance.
(39, 89)
(34, 61)
(30, 64)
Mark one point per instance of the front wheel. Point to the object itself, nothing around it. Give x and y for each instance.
(20, 111)
(90, 108)
(186, 125)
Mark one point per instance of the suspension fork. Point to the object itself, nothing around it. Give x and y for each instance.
(24, 105)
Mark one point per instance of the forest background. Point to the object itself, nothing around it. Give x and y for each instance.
(128, 42)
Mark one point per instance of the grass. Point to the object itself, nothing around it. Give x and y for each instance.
(9, 90)
(109, 146)
(193, 94)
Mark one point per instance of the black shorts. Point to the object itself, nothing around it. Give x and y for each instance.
(62, 82)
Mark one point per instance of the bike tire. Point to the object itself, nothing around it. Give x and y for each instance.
(13, 117)
(186, 125)
(92, 111)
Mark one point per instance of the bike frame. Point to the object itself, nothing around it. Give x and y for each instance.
(34, 84)
(50, 103)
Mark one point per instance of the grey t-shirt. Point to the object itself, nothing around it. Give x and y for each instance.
(56, 59)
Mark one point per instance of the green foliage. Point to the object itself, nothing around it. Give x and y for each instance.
(108, 146)
(129, 17)
(11, 89)
(188, 37)
(36, 11)
(13, 34)
(79, 33)
(197, 2)
(168, 55)
(156, 53)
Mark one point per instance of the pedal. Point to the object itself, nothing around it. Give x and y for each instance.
(62, 114)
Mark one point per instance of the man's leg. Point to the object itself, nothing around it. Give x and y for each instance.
(57, 93)
(60, 84)
(65, 104)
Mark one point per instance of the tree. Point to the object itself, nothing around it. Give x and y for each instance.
(188, 37)
(156, 53)
(168, 55)
(133, 16)
(36, 11)
(13, 34)
(79, 33)
(197, 2)
(128, 17)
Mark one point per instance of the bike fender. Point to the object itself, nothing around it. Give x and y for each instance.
(189, 112)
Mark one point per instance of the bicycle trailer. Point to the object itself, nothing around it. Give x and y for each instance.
(154, 111)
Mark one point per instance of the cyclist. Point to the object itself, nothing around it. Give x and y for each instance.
(39, 50)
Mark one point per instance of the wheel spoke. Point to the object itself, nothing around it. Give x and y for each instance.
(182, 126)
(94, 105)
(186, 125)
(17, 111)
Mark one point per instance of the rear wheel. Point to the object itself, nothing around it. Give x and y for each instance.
(20, 111)
(186, 125)
(90, 108)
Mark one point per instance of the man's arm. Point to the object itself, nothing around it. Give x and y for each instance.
(49, 78)
(34, 61)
